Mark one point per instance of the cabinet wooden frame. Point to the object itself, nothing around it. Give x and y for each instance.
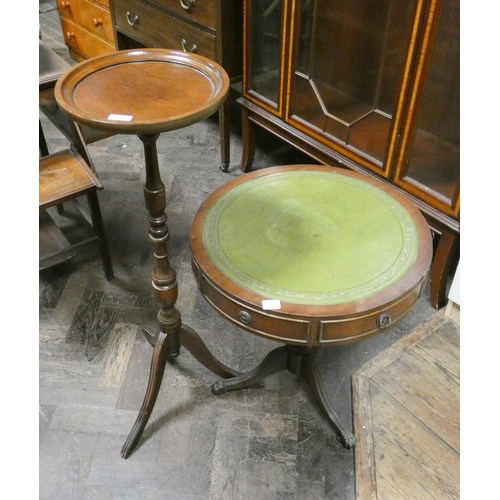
(441, 211)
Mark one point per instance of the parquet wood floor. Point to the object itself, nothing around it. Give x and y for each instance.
(407, 416)
(267, 442)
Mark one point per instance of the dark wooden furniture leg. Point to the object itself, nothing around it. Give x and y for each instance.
(276, 361)
(441, 266)
(297, 360)
(42, 143)
(248, 137)
(97, 222)
(172, 334)
(224, 125)
(310, 373)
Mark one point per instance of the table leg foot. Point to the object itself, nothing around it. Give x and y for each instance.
(309, 372)
(274, 362)
(158, 362)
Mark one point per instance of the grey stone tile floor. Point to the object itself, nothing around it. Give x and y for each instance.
(266, 442)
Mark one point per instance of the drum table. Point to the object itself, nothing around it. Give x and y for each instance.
(309, 256)
(146, 92)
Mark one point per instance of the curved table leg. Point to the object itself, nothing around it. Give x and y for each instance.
(297, 361)
(274, 362)
(160, 355)
(310, 374)
(189, 339)
(151, 335)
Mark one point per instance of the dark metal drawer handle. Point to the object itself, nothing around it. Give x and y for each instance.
(194, 48)
(189, 5)
(133, 21)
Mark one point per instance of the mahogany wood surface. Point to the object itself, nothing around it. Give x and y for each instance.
(212, 28)
(233, 287)
(158, 89)
(64, 175)
(310, 79)
(146, 92)
(308, 324)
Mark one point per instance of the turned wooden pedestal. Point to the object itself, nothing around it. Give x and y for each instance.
(146, 92)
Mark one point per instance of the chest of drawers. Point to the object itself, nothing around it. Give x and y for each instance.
(210, 28)
(87, 27)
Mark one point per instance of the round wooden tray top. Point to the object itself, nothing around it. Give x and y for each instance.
(142, 91)
(317, 245)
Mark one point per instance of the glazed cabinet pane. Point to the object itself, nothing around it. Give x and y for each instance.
(347, 68)
(433, 163)
(263, 45)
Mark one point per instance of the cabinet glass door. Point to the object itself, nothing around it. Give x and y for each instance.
(347, 70)
(432, 167)
(264, 46)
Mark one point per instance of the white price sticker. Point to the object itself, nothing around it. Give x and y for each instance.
(271, 304)
(120, 118)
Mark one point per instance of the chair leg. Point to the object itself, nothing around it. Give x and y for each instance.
(95, 213)
(44, 151)
(42, 143)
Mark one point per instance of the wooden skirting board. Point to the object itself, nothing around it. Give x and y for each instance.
(406, 416)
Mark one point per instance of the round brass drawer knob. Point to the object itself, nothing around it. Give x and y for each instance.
(384, 320)
(245, 317)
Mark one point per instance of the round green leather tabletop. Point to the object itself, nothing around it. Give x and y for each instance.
(310, 237)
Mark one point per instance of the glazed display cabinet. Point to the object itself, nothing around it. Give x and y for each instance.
(369, 86)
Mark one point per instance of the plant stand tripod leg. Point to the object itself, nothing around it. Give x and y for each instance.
(158, 362)
(191, 341)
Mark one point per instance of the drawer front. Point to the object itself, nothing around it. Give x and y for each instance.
(92, 16)
(266, 325)
(354, 329)
(153, 28)
(290, 330)
(203, 12)
(82, 41)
